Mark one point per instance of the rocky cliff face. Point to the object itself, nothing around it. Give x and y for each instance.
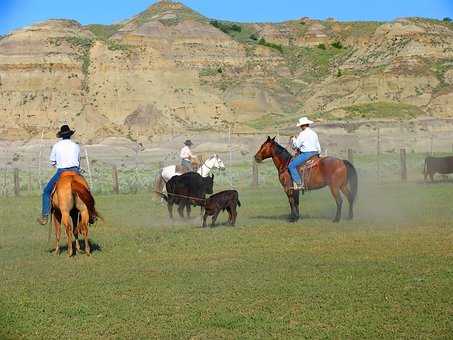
(171, 68)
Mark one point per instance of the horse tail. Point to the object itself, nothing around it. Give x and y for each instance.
(352, 179)
(158, 184)
(85, 195)
(159, 194)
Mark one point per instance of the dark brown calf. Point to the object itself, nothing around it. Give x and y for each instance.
(223, 200)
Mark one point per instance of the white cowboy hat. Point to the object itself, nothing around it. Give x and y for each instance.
(304, 121)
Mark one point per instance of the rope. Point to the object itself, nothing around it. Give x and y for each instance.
(182, 196)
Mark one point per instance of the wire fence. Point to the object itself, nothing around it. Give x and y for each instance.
(380, 157)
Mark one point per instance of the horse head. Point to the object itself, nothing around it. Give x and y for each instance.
(265, 150)
(218, 163)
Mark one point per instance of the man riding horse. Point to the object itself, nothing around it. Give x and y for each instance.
(187, 157)
(307, 143)
(65, 156)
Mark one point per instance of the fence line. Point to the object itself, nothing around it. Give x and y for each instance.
(134, 170)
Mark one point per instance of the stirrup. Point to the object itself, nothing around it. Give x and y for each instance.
(298, 186)
(42, 220)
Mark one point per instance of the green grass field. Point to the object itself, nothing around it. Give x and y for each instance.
(388, 273)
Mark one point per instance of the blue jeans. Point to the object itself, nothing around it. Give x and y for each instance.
(296, 162)
(46, 204)
(186, 163)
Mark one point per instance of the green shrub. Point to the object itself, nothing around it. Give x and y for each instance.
(253, 36)
(263, 42)
(103, 32)
(225, 27)
(339, 73)
(337, 44)
(209, 71)
(322, 46)
(82, 42)
(113, 45)
(447, 19)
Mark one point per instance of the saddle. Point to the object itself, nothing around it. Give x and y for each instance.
(307, 167)
(181, 169)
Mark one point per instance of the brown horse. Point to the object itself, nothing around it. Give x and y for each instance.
(72, 206)
(339, 175)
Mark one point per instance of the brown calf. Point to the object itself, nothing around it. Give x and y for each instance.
(223, 200)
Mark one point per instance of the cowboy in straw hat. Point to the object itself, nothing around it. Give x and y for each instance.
(308, 143)
(65, 156)
(187, 157)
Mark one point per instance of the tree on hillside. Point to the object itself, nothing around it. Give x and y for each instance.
(447, 19)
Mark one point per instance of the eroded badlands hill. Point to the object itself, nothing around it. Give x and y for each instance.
(170, 68)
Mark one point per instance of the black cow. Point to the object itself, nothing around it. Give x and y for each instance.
(441, 165)
(224, 200)
(186, 190)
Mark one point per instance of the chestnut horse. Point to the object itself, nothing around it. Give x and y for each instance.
(339, 175)
(72, 206)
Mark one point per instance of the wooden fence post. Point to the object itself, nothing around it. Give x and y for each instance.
(89, 170)
(116, 187)
(378, 154)
(403, 165)
(254, 174)
(350, 156)
(30, 181)
(5, 186)
(16, 182)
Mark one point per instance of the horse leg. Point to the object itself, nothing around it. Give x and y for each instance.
(348, 195)
(296, 203)
(294, 214)
(66, 221)
(57, 225)
(337, 196)
(75, 227)
(170, 208)
(85, 216)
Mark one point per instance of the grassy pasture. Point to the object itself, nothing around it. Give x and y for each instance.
(386, 274)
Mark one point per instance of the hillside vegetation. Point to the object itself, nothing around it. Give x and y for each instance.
(196, 73)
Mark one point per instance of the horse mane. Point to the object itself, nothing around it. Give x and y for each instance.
(282, 152)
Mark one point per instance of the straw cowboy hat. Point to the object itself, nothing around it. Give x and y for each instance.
(304, 121)
(65, 131)
(188, 142)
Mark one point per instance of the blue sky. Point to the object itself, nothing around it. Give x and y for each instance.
(18, 13)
